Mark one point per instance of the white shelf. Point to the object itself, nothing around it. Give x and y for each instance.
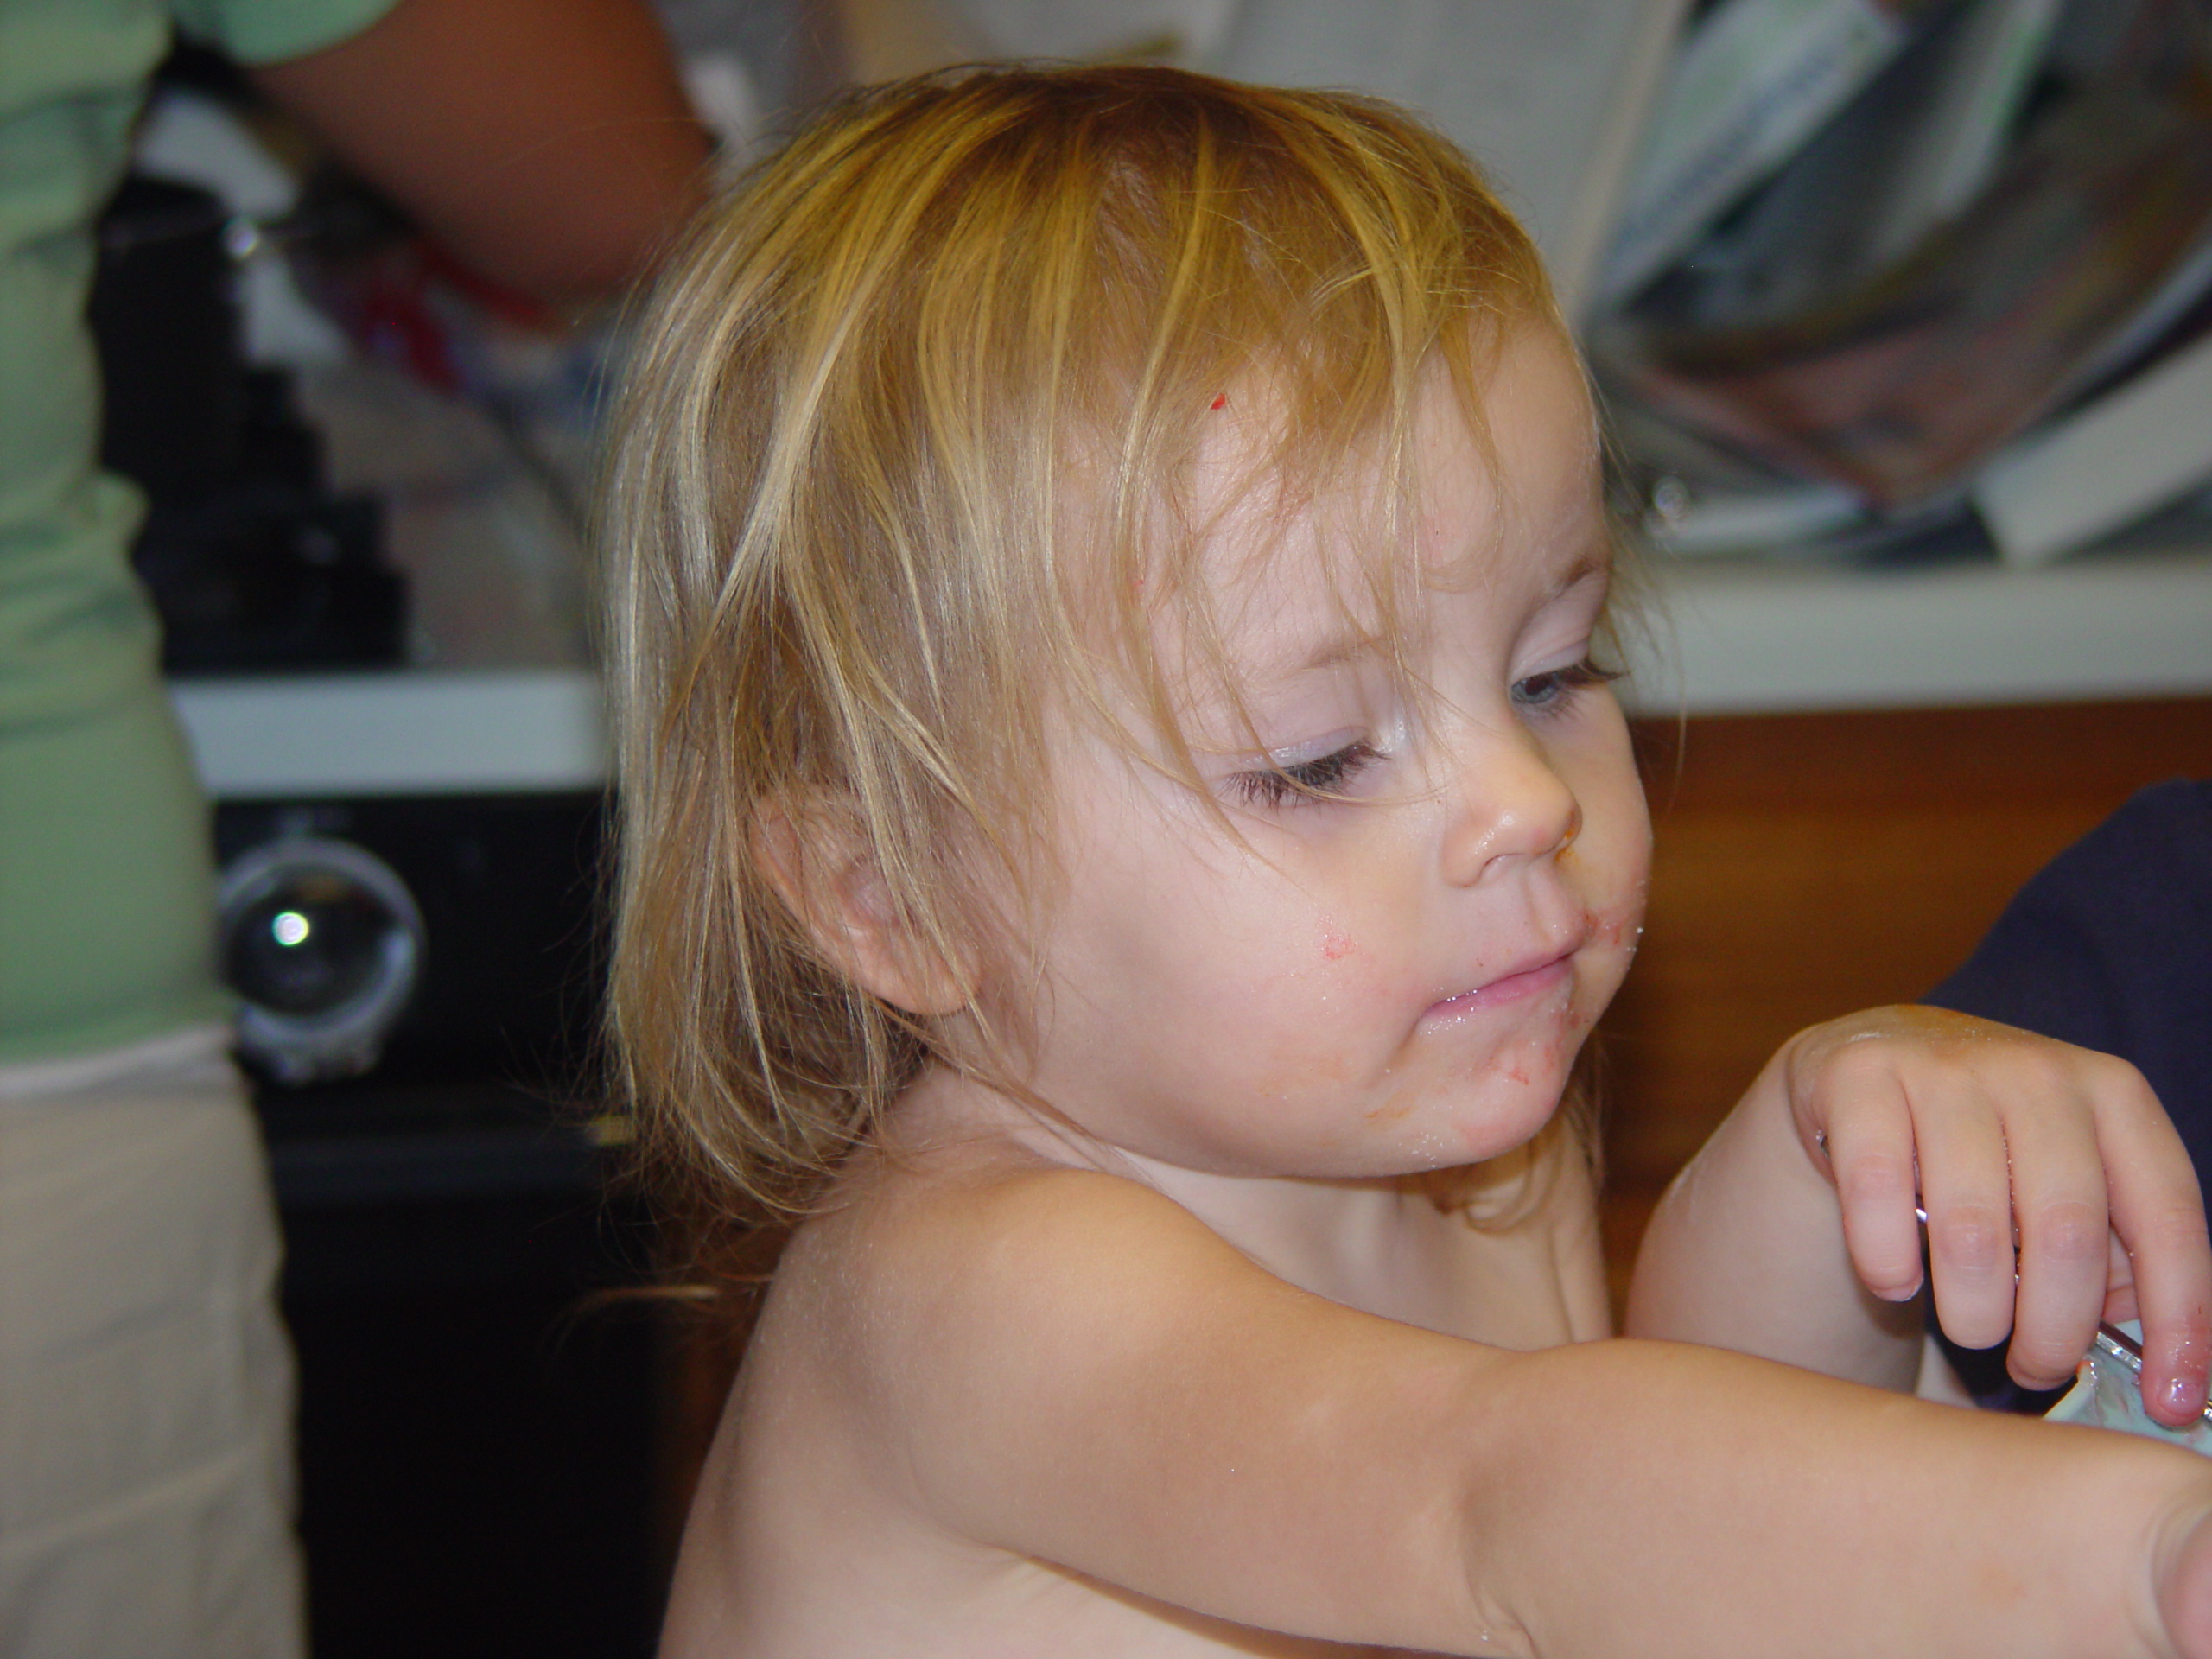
(402, 732)
(1756, 636)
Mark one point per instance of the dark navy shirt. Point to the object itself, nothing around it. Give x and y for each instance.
(2110, 948)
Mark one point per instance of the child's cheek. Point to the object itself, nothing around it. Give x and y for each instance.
(1364, 975)
(1347, 975)
(1322, 1002)
(1611, 867)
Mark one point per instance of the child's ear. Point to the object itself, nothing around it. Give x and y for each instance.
(817, 857)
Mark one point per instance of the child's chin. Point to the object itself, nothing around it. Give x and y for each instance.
(1503, 1124)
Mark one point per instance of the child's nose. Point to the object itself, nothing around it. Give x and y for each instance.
(1508, 805)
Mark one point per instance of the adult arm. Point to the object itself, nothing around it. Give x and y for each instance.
(548, 144)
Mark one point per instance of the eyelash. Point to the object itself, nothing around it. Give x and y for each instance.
(1548, 690)
(1322, 777)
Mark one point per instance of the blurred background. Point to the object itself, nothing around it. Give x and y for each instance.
(1898, 311)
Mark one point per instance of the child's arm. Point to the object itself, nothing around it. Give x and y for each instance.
(1068, 1367)
(1793, 1234)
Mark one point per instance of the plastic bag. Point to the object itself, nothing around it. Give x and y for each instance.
(2108, 1393)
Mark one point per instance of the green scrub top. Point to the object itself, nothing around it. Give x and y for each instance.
(106, 884)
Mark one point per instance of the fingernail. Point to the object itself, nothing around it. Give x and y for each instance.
(2180, 1395)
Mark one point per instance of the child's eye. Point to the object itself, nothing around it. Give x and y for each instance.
(1323, 776)
(1555, 685)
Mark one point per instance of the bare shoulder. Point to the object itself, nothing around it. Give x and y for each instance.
(930, 1335)
(940, 1253)
(891, 1327)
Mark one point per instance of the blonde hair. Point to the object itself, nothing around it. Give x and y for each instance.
(872, 401)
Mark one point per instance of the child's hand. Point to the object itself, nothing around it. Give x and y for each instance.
(2011, 1143)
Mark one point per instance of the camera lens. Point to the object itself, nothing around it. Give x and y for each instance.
(323, 941)
(315, 943)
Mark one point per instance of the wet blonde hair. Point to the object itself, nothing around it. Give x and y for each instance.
(904, 427)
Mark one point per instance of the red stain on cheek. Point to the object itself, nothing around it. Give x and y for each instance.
(1335, 947)
(1612, 929)
(1389, 1111)
(1516, 1075)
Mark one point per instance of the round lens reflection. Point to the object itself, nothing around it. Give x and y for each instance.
(313, 943)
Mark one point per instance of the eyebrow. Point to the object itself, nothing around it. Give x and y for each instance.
(1597, 562)
(1336, 652)
(1338, 649)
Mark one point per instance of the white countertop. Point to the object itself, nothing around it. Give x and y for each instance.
(1736, 636)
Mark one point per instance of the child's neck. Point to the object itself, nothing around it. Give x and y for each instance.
(1338, 1237)
(1343, 1239)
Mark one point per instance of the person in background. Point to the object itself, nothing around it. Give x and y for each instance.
(144, 1379)
(2110, 948)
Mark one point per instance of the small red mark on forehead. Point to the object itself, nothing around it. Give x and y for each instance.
(1220, 402)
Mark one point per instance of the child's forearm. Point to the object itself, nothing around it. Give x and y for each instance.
(1706, 1504)
(1747, 1251)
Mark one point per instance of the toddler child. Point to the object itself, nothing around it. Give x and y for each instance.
(1125, 833)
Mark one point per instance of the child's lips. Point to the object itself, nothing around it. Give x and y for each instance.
(1509, 987)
